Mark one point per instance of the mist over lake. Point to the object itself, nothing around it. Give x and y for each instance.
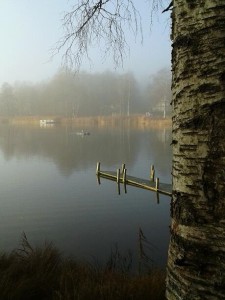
(48, 189)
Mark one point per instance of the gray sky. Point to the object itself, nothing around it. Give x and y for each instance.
(30, 28)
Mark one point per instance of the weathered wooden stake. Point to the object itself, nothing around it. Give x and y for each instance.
(98, 168)
(123, 168)
(152, 173)
(118, 176)
(99, 179)
(125, 180)
(124, 176)
(118, 180)
(157, 184)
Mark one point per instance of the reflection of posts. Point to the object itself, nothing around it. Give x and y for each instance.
(157, 197)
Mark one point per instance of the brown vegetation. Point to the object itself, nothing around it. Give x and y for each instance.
(135, 121)
(42, 273)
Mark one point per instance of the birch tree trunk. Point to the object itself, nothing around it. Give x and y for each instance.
(196, 258)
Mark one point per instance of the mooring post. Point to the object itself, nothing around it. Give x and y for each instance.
(152, 173)
(157, 184)
(118, 176)
(123, 168)
(98, 179)
(98, 168)
(124, 175)
(118, 180)
(125, 180)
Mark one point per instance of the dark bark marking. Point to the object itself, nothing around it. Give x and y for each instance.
(199, 256)
(183, 41)
(208, 88)
(222, 78)
(194, 123)
(174, 142)
(191, 4)
(181, 262)
(183, 14)
(188, 147)
(183, 210)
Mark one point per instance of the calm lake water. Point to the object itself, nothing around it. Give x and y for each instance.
(48, 189)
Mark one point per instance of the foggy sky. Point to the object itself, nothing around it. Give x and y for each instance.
(30, 29)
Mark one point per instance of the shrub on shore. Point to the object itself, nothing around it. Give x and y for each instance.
(42, 273)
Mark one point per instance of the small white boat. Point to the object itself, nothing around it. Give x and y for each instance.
(46, 122)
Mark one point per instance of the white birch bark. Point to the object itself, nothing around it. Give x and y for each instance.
(196, 258)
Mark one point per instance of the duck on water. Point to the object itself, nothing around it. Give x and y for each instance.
(82, 132)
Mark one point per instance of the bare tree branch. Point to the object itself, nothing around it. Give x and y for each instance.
(101, 23)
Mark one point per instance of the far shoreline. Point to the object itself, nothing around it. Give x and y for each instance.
(134, 121)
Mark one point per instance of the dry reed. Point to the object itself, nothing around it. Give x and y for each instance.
(42, 273)
(133, 121)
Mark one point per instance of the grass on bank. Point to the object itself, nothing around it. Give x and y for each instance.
(134, 121)
(42, 273)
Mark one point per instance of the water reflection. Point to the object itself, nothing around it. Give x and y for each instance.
(70, 151)
(48, 189)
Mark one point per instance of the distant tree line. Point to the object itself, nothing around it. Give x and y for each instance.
(86, 94)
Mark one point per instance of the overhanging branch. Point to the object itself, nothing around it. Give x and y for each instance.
(103, 23)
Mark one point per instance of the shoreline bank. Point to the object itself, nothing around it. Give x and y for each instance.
(43, 273)
(134, 121)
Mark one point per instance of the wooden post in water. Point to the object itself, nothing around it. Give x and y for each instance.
(152, 173)
(123, 168)
(124, 175)
(99, 179)
(98, 168)
(125, 180)
(157, 184)
(156, 187)
(118, 176)
(118, 180)
(98, 172)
